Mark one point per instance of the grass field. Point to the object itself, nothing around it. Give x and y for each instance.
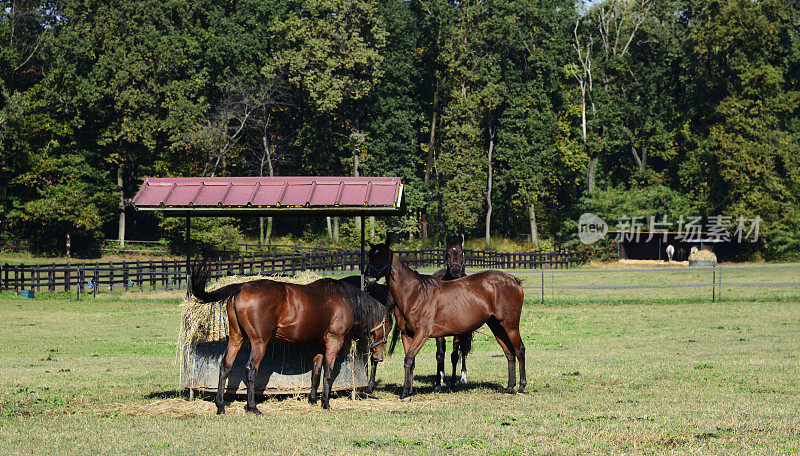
(100, 376)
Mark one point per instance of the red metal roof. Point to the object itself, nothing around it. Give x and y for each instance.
(271, 195)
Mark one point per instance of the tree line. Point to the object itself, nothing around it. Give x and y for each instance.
(503, 117)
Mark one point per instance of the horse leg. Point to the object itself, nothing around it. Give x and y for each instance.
(234, 344)
(371, 384)
(466, 343)
(454, 360)
(316, 369)
(413, 347)
(505, 343)
(519, 349)
(257, 348)
(332, 347)
(441, 349)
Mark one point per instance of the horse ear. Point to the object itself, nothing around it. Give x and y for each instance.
(447, 240)
(388, 239)
(461, 239)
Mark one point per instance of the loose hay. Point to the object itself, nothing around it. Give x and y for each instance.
(181, 408)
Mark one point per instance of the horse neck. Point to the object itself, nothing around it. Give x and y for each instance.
(401, 282)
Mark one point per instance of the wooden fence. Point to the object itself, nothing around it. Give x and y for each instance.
(171, 274)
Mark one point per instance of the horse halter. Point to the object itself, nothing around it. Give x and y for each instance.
(382, 324)
(449, 264)
(386, 267)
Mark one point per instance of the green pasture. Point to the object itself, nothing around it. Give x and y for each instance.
(606, 376)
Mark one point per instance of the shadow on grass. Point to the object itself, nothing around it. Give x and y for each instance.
(423, 384)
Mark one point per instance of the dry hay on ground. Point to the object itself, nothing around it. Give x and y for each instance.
(624, 263)
(204, 322)
(298, 405)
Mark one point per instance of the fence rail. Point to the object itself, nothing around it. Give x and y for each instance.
(169, 274)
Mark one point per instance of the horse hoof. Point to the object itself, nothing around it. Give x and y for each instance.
(326, 406)
(220, 411)
(509, 390)
(405, 399)
(312, 401)
(255, 411)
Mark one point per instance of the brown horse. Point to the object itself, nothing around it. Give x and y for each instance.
(454, 269)
(428, 307)
(380, 332)
(318, 315)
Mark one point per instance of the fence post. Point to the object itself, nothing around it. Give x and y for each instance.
(95, 280)
(139, 274)
(542, 271)
(714, 284)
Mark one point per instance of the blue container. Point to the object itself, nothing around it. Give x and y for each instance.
(26, 293)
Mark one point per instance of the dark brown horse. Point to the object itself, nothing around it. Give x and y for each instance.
(380, 332)
(454, 269)
(428, 307)
(318, 315)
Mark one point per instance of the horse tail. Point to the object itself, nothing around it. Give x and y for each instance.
(200, 274)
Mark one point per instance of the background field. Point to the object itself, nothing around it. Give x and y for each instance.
(605, 377)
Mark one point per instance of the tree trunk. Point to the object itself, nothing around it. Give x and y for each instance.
(534, 232)
(336, 229)
(266, 159)
(121, 232)
(372, 227)
(355, 173)
(69, 245)
(330, 230)
(429, 161)
(592, 161)
(489, 190)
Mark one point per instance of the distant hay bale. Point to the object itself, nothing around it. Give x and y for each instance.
(206, 322)
(703, 255)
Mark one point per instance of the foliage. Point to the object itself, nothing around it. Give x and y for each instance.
(209, 234)
(693, 107)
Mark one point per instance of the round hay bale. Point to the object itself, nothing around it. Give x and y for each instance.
(702, 258)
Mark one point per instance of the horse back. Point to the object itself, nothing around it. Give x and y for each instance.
(296, 313)
(502, 291)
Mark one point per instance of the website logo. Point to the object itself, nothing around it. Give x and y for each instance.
(591, 228)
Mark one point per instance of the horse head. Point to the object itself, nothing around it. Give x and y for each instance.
(454, 255)
(378, 336)
(379, 262)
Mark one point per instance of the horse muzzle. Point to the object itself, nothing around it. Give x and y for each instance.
(380, 355)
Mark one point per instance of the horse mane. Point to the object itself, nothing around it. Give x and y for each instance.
(366, 309)
(425, 281)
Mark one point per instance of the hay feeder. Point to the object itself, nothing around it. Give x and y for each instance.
(285, 369)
